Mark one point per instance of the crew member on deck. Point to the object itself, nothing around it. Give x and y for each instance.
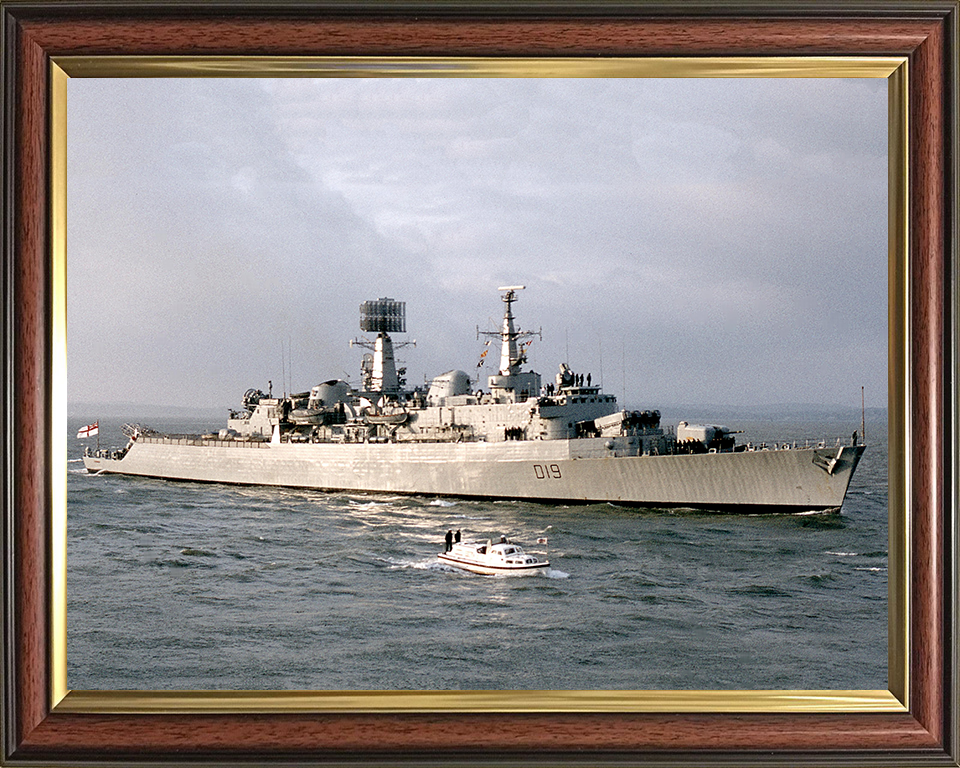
(449, 540)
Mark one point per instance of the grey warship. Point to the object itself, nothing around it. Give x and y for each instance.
(563, 442)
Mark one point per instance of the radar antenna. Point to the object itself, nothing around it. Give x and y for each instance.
(383, 317)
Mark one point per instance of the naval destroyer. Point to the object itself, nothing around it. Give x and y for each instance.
(563, 441)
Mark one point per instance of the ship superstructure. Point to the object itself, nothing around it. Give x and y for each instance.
(519, 438)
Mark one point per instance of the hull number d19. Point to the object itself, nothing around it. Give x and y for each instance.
(547, 471)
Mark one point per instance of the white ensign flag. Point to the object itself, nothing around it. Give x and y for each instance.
(90, 430)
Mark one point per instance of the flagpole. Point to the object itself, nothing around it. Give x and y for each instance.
(546, 543)
(863, 418)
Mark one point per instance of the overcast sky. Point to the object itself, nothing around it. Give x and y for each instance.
(685, 241)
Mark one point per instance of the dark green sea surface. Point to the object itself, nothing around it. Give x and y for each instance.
(194, 586)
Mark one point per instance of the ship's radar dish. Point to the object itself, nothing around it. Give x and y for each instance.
(383, 316)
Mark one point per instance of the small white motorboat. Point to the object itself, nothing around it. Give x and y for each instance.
(490, 559)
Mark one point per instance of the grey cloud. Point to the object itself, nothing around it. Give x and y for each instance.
(690, 226)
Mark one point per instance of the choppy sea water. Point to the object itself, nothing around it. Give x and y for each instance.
(194, 586)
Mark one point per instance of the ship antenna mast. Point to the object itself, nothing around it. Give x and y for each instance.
(511, 356)
(383, 317)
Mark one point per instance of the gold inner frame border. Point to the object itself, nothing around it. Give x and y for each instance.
(895, 699)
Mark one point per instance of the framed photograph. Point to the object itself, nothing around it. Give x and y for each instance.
(369, 103)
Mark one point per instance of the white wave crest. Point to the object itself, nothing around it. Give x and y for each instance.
(366, 505)
(419, 565)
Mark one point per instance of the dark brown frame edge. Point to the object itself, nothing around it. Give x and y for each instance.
(33, 32)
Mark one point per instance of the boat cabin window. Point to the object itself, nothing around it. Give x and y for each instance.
(509, 551)
(482, 550)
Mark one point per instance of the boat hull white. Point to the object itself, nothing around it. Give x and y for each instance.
(579, 470)
(494, 570)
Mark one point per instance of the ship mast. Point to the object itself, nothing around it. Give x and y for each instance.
(510, 385)
(509, 361)
(383, 317)
(511, 356)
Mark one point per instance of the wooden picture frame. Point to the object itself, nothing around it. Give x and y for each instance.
(38, 730)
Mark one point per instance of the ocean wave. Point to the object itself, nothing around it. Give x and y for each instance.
(760, 590)
(367, 504)
(179, 563)
(197, 552)
(418, 565)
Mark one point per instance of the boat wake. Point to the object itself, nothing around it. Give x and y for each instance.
(396, 564)
(431, 564)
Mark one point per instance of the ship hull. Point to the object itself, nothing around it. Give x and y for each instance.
(579, 471)
(494, 570)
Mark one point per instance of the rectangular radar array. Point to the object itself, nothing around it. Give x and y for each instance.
(383, 316)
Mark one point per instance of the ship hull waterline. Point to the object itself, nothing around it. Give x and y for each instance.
(785, 480)
(493, 570)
